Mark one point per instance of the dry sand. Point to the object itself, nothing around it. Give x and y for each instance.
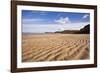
(55, 47)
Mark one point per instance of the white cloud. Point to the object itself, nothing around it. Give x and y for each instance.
(40, 13)
(85, 16)
(28, 21)
(35, 19)
(40, 28)
(63, 20)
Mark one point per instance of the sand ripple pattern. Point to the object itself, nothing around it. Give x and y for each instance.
(55, 47)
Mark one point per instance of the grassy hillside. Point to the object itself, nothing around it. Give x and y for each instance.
(84, 30)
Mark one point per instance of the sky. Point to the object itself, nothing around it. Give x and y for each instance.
(51, 21)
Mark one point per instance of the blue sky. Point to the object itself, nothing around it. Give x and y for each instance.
(49, 21)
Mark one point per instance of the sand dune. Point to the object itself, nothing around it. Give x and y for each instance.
(55, 47)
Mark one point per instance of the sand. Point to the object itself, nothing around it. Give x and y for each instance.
(55, 47)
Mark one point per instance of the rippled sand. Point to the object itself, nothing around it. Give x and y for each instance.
(55, 47)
